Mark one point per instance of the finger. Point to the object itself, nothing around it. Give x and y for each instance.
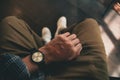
(78, 48)
(72, 57)
(75, 41)
(66, 34)
(71, 37)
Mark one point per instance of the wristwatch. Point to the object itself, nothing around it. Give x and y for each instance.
(38, 57)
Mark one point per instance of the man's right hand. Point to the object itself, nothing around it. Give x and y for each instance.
(63, 47)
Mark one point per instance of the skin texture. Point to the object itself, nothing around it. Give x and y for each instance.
(117, 7)
(63, 47)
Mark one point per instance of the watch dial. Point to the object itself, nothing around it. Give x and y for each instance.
(37, 57)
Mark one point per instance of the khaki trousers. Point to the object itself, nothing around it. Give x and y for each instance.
(16, 37)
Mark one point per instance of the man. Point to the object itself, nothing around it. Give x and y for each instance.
(61, 58)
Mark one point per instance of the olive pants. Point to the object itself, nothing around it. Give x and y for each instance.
(16, 37)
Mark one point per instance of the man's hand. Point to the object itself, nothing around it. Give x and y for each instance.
(30, 65)
(62, 48)
(117, 7)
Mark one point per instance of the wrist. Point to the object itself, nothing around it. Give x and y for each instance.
(46, 52)
(30, 65)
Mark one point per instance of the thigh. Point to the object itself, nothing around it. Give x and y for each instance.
(91, 64)
(16, 36)
(92, 59)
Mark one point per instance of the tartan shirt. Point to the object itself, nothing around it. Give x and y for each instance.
(12, 68)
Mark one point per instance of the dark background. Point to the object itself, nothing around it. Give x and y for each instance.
(40, 13)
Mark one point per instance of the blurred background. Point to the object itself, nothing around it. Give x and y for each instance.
(41, 13)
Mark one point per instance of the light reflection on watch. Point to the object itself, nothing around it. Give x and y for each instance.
(37, 57)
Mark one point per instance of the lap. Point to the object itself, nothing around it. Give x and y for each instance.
(91, 64)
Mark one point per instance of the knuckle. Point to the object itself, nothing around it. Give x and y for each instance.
(69, 43)
(75, 35)
(74, 50)
(77, 40)
(60, 37)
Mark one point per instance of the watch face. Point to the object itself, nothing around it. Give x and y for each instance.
(37, 57)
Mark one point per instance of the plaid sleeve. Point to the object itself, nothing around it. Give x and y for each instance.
(12, 68)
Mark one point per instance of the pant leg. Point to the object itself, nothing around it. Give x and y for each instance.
(93, 53)
(91, 64)
(16, 37)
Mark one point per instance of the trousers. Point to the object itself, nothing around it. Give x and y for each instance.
(18, 38)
